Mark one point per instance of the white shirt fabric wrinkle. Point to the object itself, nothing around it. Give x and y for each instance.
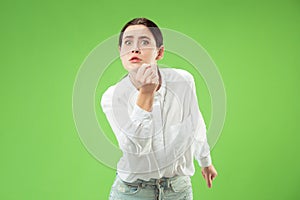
(163, 142)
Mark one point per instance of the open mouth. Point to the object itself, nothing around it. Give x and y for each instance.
(135, 59)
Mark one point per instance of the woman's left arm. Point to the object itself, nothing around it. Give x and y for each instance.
(201, 146)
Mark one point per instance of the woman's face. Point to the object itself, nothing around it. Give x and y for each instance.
(138, 47)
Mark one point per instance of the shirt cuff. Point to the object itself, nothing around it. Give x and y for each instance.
(205, 161)
(140, 114)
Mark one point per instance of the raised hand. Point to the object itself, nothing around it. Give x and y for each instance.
(146, 78)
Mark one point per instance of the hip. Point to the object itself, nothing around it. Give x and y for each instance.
(177, 187)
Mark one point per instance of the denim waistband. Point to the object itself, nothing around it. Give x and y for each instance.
(162, 182)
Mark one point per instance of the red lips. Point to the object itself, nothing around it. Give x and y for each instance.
(135, 59)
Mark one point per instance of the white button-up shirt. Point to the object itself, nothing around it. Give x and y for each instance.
(164, 141)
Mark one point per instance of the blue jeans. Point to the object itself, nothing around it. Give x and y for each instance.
(174, 188)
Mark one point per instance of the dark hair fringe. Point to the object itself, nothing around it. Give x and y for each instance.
(148, 23)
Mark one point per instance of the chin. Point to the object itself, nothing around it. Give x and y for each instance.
(132, 66)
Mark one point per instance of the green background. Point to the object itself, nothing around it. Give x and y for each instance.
(255, 45)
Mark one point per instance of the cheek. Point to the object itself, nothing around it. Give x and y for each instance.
(150, 54)
(124, 62)
(124, 52)
(124, 57)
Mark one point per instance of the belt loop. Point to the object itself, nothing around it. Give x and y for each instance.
(157, 181)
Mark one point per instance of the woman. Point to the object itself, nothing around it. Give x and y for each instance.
(155, 116)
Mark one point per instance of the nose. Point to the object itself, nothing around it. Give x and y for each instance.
(135, 51)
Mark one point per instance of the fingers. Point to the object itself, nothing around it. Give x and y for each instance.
(213, 177)
(209, 181)
(141, 70)
(155, 79)
(209, 177)
(147, 74)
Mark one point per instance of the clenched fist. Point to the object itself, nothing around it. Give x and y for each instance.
(146, 78)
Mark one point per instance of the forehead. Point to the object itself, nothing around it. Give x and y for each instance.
(137, 31)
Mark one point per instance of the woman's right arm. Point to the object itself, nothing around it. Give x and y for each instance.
(135, 134)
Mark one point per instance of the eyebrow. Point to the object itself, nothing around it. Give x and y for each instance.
(141, 37)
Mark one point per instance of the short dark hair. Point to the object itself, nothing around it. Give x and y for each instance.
(148, 23)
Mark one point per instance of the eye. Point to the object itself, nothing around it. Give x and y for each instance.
(128, 42)
(145, 42)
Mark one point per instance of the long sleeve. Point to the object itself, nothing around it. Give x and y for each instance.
(201, 147)
(133, 132)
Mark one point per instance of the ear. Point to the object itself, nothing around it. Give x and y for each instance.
(160, 53)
